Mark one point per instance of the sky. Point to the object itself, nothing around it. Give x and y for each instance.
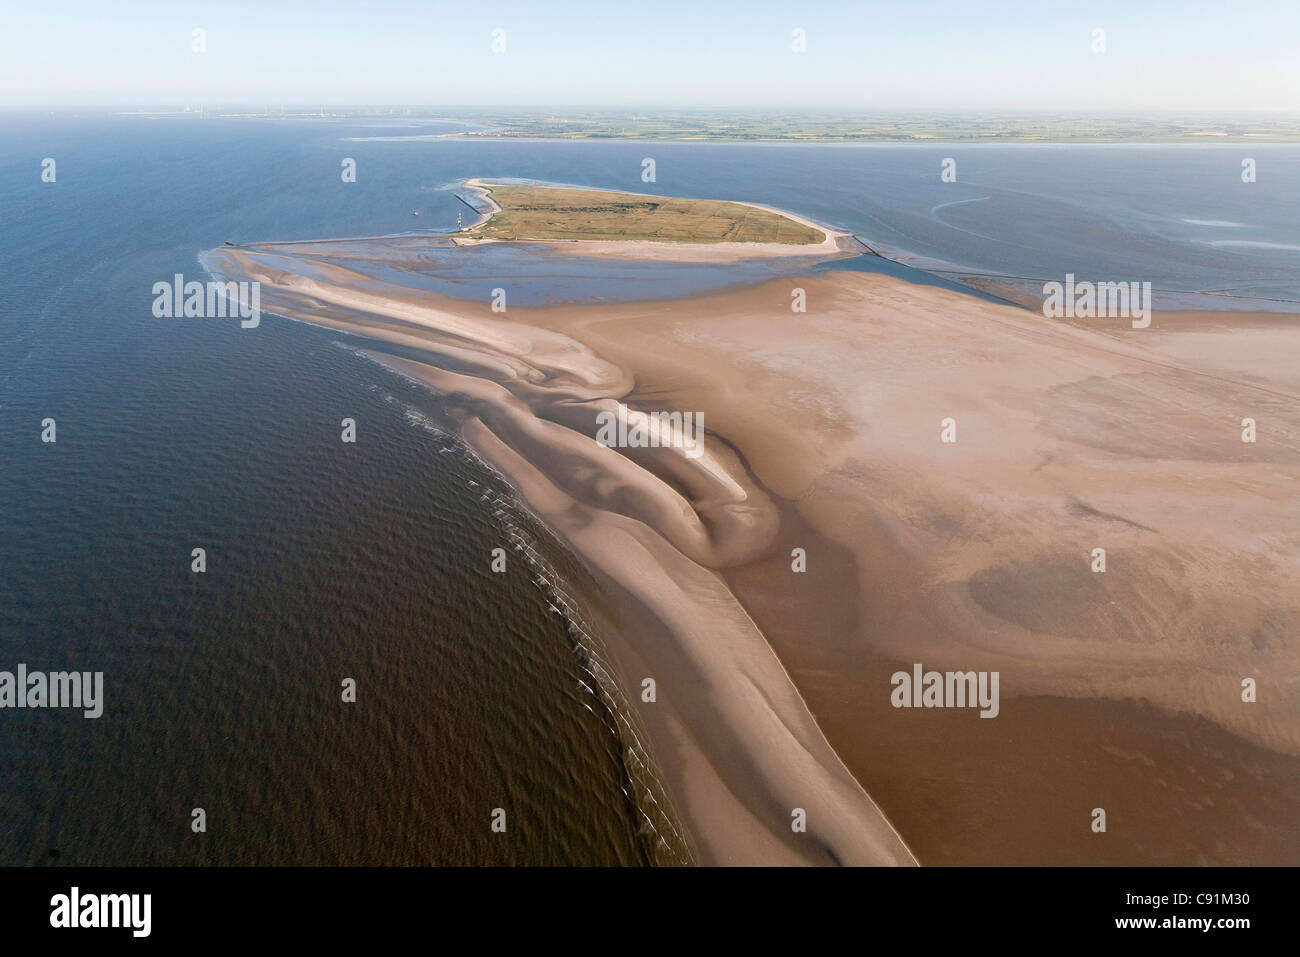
(924, 54)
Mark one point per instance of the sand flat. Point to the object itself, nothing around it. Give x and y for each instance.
(1119, 689)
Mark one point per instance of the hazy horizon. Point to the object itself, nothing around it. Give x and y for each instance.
(426, 110)
(1166, 58)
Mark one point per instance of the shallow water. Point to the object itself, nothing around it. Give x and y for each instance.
(370, 561)
(325, 561)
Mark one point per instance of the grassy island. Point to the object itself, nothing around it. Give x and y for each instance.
(547, 212)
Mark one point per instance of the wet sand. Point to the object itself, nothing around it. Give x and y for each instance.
(1119, 690)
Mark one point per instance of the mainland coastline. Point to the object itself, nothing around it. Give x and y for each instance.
(773, 685)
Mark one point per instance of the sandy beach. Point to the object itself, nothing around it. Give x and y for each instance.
(1119, 690)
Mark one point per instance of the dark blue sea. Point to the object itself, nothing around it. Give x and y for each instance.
(370, 561)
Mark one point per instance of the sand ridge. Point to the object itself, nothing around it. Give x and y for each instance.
(655, 528)
(970, 555)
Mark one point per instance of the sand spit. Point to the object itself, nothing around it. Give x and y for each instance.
(1120, 689)
(483, 193)
(655, 528)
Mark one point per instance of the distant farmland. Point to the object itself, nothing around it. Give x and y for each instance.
(544, 212)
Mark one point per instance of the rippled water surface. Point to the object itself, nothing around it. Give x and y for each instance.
(370, 561)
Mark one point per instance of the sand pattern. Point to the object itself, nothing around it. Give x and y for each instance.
(824, 433)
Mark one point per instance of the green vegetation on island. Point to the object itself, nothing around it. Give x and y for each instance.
(547, 212)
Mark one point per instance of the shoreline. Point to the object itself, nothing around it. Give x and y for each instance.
(762, 753)
(838, 244)
(858, 489)
(560, 575)
(835, 243)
